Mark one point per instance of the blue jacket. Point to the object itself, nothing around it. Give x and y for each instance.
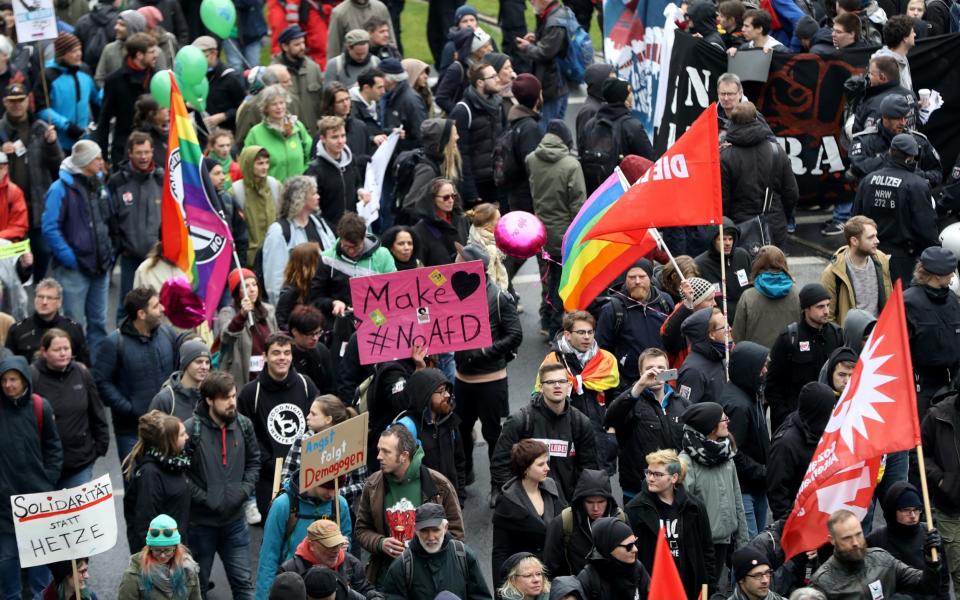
(130, 369)
(639, 330)
(72, 91)
(274, 549)
(251, 25)
(74, 224)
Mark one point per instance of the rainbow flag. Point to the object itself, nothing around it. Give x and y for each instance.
(194, 235)
(590, 265)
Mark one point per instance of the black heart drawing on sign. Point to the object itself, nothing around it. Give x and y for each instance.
(464, 283)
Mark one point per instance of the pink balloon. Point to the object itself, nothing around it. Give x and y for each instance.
(520, 234)
(180, 304)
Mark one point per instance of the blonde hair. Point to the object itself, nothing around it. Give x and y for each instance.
(330, 123)
(452, 161)
(483, 214)
(509, 590)
(671, 459)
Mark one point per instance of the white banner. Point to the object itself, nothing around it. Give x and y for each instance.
(36, 20)
(65, 524)
(373, 179)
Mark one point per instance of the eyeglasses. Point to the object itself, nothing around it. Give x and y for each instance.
(314, 334)
(768, 574)
(909, 511)
(45, 298)
(167, 532)
(724, 328)
(447, 197)
(582, 331)
(629, 546)
(654, 474)
(164, 551)
(553, 382)
(728, 94)
(725, 419)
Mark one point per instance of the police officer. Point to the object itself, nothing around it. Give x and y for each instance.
(869, 147)
(933, 324)
(898, 199)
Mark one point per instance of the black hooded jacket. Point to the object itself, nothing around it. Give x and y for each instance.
(516, 525)
(440, 437)
(561, 558)
(703, 20)
(158, 485)
(606, 577)
(278, 410)
(639, 329)
(389, 399)
(702, 375)
(905, 542)
(752, 163)
(737, 265)
(594, 76)
(696, 541)
(633, 136)
(793, 446)
(748, 424)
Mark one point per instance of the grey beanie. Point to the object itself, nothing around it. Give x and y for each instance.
(191, 350)
(135, 22)
(83, 153)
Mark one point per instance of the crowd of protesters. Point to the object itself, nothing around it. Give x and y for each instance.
(708, 418)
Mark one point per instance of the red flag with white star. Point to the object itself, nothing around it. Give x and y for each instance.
(876, 415)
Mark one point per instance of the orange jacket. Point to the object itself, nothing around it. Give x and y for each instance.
(14, 222)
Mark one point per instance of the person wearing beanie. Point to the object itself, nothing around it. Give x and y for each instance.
(96, 30)
(772, 301)
(181, 392)
(543, 49)
(246, 323)
(737, 263)
(708, 452)
(470, 46)
(170, 565)
(794, 443)
(594, 76)
(306, 77)
(613, 570)
(465, 17)
(614, 126)
(753, 575)
(287, 586)
(113, 55)
(70, 90)
(523, 120)
(62, 581)
(800, 351)
(479, 117)
(702, 376)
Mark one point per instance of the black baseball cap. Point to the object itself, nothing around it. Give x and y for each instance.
(15, 91)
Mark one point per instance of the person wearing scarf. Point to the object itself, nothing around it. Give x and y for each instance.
(708, 451)
(772, 303)
(62, 586)
(325, 546)
(120, 91)
(164, 569)
(592, 371)
(613, 570)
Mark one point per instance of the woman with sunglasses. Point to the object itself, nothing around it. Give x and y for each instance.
(708, 451)
(164, 569)
(613, 570)
(526, 505)
(442, 223)
(154, 475)
(524, 578)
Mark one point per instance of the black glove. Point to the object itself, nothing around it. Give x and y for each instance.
(932, 540)
(75, 132)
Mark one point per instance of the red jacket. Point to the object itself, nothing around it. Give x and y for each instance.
(283, 13)
(14, 222)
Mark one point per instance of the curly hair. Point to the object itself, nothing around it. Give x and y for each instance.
(269, 94)
(295, 192)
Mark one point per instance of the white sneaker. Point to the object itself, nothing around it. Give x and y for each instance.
(251, 512)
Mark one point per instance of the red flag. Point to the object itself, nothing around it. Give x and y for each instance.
(681, 188)
(876, 415)
(665, 583)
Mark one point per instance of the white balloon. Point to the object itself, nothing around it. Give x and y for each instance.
(950, 238)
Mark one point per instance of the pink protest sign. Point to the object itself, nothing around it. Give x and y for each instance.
(443, 308)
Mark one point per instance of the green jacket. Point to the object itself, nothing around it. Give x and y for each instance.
(556, 182)
(434, 573)
(259, 202)
(288, 156)
(133, 586)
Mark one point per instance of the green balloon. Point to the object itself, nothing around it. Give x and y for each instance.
(160, 87)
(197, 95)
(219, 16)
(190, 65)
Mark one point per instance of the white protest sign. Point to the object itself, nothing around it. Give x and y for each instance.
(65, 524)
(36, 20)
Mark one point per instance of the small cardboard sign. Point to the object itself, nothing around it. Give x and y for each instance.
(334, 452)
(443, 308)
(35, 19)
(65, 524)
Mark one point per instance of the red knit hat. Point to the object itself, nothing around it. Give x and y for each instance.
(634, 166)
(64, 43)
(235, 275)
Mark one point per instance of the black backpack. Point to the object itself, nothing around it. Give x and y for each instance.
(506, 168)
(404, 168)
(313, 235)
(600, 151)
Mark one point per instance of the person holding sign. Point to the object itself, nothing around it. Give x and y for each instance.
(164, 568)
(31, 463)
(66, 581)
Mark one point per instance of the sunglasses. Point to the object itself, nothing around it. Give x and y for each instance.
(448, 197)
(630, 547)
(167, 533)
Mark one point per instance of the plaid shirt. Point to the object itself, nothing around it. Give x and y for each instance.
(355, 479)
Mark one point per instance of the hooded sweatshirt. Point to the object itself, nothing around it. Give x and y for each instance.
(337, 182)
(439, 435)
(31, 458)
(841, 354)
(742, 403)
(332, 278)
(257, 198)
(175, 399)
(856, 326)
(278, 410)
(703, 20)
(702, 375)
(737, 265)
(593, 76)
(558, 188)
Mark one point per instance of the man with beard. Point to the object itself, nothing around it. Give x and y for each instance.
(752, 572)
(630, 322)
(306, 77)
(434, 561)
(737, 261)
(119, 91)
(223, 472)
(133, 362)
(859, 275)
(854, 568)
(593, 374)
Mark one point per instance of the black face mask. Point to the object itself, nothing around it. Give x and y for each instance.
(936, 293)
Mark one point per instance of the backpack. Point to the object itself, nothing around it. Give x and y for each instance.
(406, 558)
(317, 231)
(600, 152)
(579, 54)
(506, 168)
(403, 171)
(855, 90)
(93, 46)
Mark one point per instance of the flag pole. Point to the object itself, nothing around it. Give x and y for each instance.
(659, 239)
(76, 578)
(704, 590)
(723, 292)
(926, 494)
(243, 285)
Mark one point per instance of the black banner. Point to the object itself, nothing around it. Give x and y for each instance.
(803, 102)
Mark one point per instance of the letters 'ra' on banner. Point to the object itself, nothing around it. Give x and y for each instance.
(334, 452)
(876, 415)
(681, 188)
(443, 308)
(65, 524)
